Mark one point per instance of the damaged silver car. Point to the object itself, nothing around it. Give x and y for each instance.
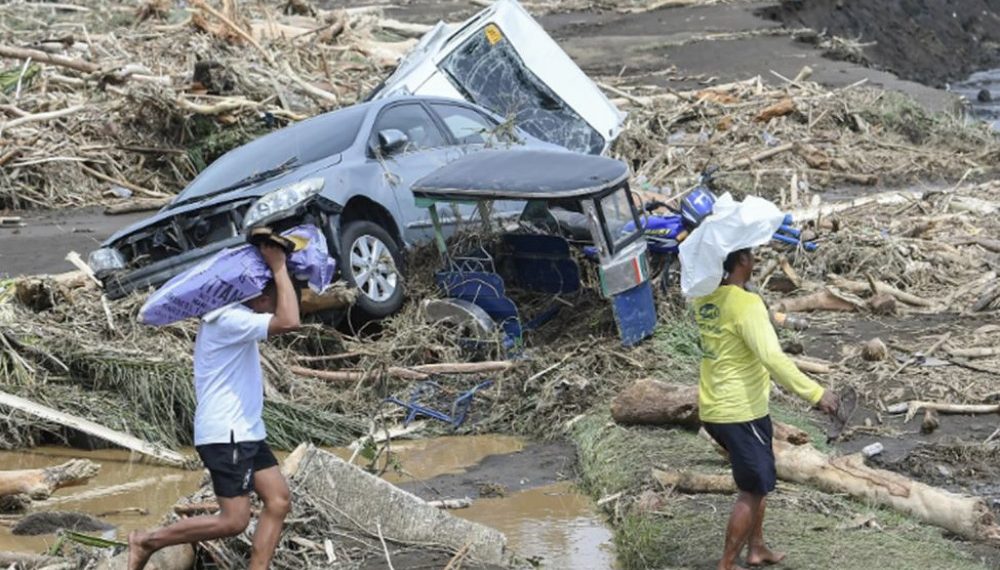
(348, 172)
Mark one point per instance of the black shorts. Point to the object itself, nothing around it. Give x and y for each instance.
(750, 452)
(232, 465)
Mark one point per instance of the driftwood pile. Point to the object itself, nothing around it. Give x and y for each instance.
(790, 143)
(103, 100)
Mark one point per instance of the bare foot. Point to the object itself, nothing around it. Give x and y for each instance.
(762, 556)
(138, 552)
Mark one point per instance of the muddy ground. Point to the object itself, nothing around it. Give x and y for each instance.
(928, 41)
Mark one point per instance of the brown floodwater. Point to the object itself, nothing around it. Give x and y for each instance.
(555, 524)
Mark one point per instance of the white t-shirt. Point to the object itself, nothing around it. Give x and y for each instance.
(228, 381)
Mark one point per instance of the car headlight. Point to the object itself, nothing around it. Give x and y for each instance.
(105, 260)
(278, 204)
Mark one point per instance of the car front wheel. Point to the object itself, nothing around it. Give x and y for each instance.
(371, 261)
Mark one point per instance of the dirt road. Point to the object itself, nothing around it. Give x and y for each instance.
(41, 245)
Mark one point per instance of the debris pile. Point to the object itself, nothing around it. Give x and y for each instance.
(791, 143)
(103, 102)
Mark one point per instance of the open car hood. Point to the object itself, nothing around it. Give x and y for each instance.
(503, 60)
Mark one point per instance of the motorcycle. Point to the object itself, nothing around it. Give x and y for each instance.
(665, 232)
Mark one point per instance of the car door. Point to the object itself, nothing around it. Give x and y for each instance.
(472, 131)
(426, 148)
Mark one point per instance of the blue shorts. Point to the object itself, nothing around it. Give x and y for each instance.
(750, 453)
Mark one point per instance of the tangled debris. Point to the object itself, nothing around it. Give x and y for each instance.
(106, 101)
(790, 144)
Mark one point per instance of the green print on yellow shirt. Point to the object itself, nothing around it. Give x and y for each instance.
(740, 355)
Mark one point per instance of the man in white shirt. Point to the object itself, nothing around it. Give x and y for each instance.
(229, 430)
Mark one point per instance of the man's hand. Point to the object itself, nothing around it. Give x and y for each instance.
(273, 255)
(829, 403)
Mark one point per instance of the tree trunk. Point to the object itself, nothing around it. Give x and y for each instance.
(41, 483)
(694, 482)
(969, 517)
(653, 402)
(379, 508)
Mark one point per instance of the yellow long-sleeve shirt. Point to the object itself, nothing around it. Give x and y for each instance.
(740, 354)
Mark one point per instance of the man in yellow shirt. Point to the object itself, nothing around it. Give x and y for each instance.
(741, 354)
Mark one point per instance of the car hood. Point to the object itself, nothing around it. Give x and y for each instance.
(251, 191)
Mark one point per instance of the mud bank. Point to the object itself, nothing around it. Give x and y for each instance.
(928, 41)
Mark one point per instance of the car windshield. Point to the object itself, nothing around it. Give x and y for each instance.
(298, 144)
(488, 71)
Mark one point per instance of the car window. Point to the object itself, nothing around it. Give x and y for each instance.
(489, 72)
(414, 122)
(306, 141)
(466, 125)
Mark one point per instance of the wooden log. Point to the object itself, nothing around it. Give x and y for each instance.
(127, 441)
(784, 107)
(812, 366)
(38, 56)
(136, 205)
(652, 402)
(986, 298)
(968, 517)
(914, 406)
(880, 287)
(977, 352)
(41, 483)
(825, 300)
(694, 482)
(451, 504)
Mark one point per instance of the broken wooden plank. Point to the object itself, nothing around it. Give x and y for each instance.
(125, 440)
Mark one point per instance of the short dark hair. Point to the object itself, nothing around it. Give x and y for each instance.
(733, 258)
(271, 288)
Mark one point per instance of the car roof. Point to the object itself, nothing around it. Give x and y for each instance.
(522, 175)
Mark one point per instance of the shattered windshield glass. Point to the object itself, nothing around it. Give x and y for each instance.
(489, 72)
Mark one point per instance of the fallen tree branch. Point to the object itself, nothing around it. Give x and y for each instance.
(38, 56)
(86, 426)
(421, 372)
(914, 406)
(36, 117)
(880, 287)
(123, 183)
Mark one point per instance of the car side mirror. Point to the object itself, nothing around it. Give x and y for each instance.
(391, 140)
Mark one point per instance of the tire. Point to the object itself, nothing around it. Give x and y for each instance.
(370, 255)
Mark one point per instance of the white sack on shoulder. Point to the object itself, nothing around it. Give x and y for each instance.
(732, 226)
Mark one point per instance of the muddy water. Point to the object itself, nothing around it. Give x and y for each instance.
(554, 524)
(154, 488)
